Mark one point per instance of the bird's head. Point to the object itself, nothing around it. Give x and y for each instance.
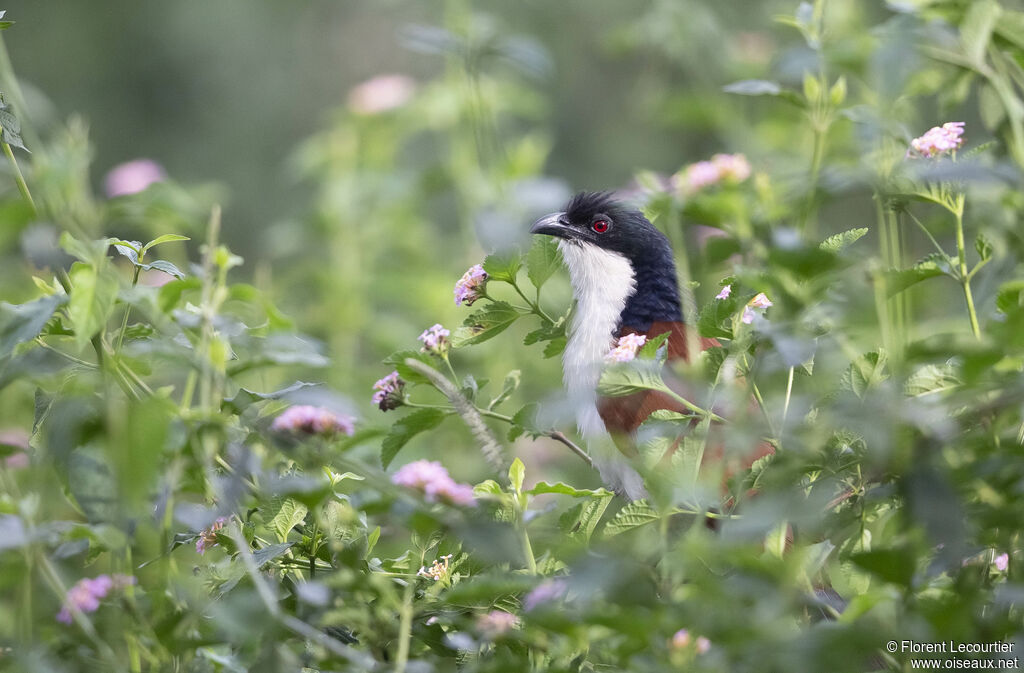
(616, 257)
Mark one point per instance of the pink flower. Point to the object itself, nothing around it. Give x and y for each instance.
(1002, 562)
(430, 477)
(731, 167)
(471, 286)
(724, 293)
(435, 339)
(133, 177)
(680, 639)
(703, 644)
(759, 302)
(381, 94)
(626, 348)
(388, 392)
(700, 175)
(938, 140)
(495, 623)
(545, 592)
(313, 421)
(86, 594)
(208, 537)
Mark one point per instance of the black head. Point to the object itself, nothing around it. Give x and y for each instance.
(597, 218)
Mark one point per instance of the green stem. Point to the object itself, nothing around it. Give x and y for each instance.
(524, 540)
(404, 629)
(20, 179)
(534, 306)
(764, 409)
(128, 309)
(789, 394)
(965, 280)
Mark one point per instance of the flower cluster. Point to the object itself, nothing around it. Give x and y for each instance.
(545, 592)
(133, 177)
(87, 593)
(435, 339)
(471, 286)
(438, 571)
(388, 392)
(1002, 562)
(681, 640)
(313, 421)
(496, 623)
(433, 479)
(728, 168)
(381, 94)
(208, 536)
(724, 292)
(626, 348)
(938, 140)
(759, 302)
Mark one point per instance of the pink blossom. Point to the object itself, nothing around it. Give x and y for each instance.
(938, 140)
(381, 94)
(86, 594)
(133, 177)
(430, 477)
(388, 392)
(471, 286)
(496, 622)
(313, 421)
(731, 167)
(435, 339)
(208, 536)
(680, 639)
(703, 644)
(700, 175)
(1002, 562)
(724, 293)
(545, 592)
(759, 302)
(626, 349)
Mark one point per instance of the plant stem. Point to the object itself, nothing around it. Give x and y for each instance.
(524, 540)
(404, 629)
(965, 279)
(20, 179)
(789, 394)
(128, 310)
(534, 305)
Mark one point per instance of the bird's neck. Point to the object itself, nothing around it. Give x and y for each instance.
(656, 298)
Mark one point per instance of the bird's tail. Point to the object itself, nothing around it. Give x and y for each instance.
(616, 471)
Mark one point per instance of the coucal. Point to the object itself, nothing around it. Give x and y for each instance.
(624, 281)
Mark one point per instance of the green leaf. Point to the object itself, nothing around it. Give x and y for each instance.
(897, 281)
(715, 320)
(166, 267)
(649, 351)
(542, 260)
(983, 246)
(270, 552)
(245, 398)
(23, 322)
(867, 371)
(516, 475)
(560, 488)
(1010, 297)
(892, 565)
(637, 376)
(90, 252)
(510, 386)
(840, 241)
(92, 301)
(485, 324)
(290, 514)
(503, 268)
(555, 347)
(10, 127)
(546, 332)
(524, 421)
(589, 516)
(166, 238)
(931, 379)
(129, 249)
(633, 515)
(976, 29)
(405, 429)
(407, 373)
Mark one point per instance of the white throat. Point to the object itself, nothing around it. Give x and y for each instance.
(602, 281)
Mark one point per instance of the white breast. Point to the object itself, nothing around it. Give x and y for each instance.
(602, 281)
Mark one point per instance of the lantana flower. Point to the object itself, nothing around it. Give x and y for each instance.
(312, 420)
(626, 348)
(1002, 562)
(729, 168)
(681, 640)
(208, 536)
(435, 339)
(381, 94)
(86, 594)
(388, 392)
(438, 571)
(133, 177)
(759, 302)
(938, 140)
(471, 286)
(431, 477)
(496, 623)
(724, 292)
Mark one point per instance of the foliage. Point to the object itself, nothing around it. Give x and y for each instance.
(169, 432)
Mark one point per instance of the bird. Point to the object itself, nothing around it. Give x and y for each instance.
(623, 276)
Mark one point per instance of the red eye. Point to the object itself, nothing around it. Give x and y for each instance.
(600, 226)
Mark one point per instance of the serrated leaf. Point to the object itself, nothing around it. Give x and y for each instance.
(405, 429)
(270, 552)
(10, 127)
(897, 281)
(840, 241)
(555, 347)
(485, 324)
(91, 301)
(630, 517)
(931, 379)
(290, 514)
(502, 268)
(542, 260)
(23, 322)
(166, 238)
(637, 376)
(715, 320)
(590, 514)
(166, 267)
(523, 421)
(649, 351)
(1010, 297)
(865, 372)
(753, 87)
(983, 246)
(560, 488)
(546, 332)
(510, 385)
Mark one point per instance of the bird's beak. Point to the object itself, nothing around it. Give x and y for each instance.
(553, 225)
